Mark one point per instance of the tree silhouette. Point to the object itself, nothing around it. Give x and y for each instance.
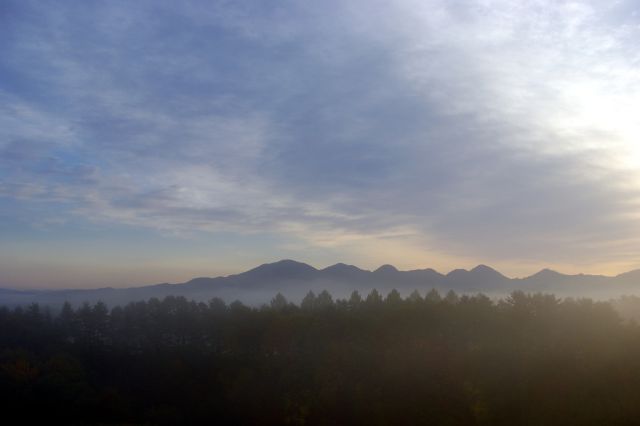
(309, 301)
(393, 298)
(373, 298)
(433, 296)
(451, 297)
(324, 300)
(279, 302)
(467, 360)
(415, 297)
(355, 300)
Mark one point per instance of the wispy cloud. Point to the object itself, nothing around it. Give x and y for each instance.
(500, 131)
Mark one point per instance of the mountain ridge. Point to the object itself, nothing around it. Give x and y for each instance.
(294, 279)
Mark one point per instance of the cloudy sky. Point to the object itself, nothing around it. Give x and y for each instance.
(144, 142)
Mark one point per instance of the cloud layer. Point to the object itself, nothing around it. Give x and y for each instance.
(496, 131)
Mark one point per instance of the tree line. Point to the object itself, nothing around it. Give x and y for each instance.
(528, 359)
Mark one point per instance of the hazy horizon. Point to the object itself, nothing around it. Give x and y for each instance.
(181, 280)
(148, 142)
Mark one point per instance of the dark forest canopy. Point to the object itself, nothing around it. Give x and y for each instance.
(368, 359)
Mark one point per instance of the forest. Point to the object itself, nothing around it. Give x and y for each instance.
(526, 359)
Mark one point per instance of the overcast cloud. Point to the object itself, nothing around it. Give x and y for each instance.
(428, 133)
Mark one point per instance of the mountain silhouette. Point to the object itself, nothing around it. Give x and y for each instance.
(386, 269)
(270, 274)
(344, 271)
(283, 269)
(294, 279)
(481, 278)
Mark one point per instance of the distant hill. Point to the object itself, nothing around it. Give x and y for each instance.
(295, 279)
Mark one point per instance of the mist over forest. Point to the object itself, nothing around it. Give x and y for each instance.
(370, 359)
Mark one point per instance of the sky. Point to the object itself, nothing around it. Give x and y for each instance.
(156, 141)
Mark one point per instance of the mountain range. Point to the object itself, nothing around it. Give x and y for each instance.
(295, 279)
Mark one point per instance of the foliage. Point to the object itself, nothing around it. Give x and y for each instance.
(381, 360)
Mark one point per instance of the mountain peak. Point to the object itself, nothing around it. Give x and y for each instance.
(385, 269)
(285, 267)
(630, 274)
(341, 267)
(483, 268)
(457, 272)
(546, 272)
(429, 271)
(486, 270)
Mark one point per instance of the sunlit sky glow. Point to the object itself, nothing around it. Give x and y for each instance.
(152, 141)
